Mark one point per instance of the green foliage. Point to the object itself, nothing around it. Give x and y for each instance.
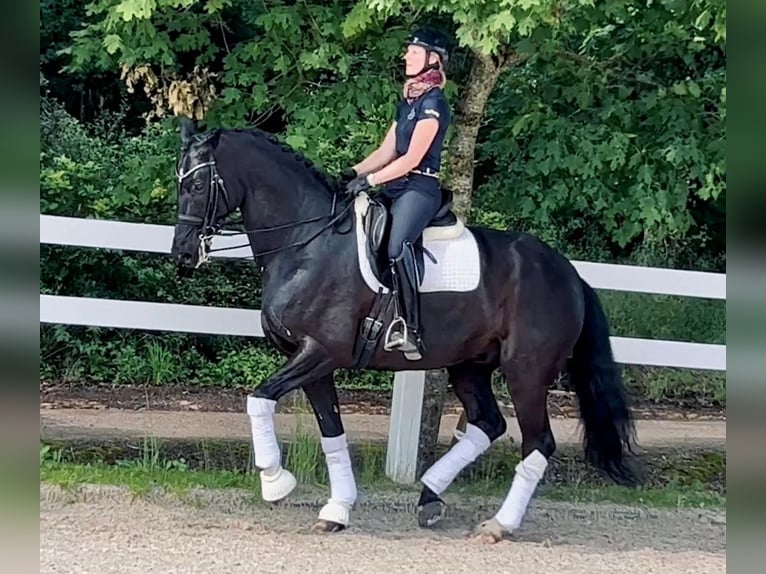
(615, 124)
(665, 317)
(84, 174)
(624, 129)
(487, 27)
(282, 59)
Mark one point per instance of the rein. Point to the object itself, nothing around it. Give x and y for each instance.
(208, 230)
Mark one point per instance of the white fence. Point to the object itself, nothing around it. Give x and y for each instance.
(408, 385)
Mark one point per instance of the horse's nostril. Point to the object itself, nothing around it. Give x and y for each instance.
(185, 260)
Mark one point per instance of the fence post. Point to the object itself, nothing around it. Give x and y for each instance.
(404, 426)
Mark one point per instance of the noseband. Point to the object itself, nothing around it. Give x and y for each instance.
(209, 225)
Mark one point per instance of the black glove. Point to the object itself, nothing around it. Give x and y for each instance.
(357, 185)
(347, 175)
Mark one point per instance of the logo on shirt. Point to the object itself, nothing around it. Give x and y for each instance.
(431, 113)
(411, 115)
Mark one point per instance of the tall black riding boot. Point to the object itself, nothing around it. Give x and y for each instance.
(406, 338)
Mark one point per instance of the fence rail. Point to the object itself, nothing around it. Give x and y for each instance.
(408, 385)
(148, 238)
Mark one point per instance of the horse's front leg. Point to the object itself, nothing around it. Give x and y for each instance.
(308, 364)
(323, 397)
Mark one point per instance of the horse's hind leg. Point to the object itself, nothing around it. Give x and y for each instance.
(528, 383)
(323, 397)
(472, 383)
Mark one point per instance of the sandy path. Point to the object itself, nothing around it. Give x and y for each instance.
(109, 532)
(101, 423)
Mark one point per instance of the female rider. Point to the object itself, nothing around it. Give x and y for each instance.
(407, 164)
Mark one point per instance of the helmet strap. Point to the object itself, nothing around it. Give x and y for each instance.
(426, 67)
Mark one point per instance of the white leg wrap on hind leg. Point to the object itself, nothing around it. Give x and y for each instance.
(473, 443)
(276, 482)
(528, 473)
(342, 484)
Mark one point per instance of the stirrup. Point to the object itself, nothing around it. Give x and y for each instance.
(390, 344)
(399, 341)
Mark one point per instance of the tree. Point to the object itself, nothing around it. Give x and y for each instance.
(620, 128)
(501, 35)
(281, 65)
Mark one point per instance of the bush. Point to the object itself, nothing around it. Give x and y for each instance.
(112, 176)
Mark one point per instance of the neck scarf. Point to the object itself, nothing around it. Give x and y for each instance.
(420, 84)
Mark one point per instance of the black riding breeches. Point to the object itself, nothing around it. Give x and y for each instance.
(410, 214)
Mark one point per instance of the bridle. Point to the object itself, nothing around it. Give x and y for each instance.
(210, 225)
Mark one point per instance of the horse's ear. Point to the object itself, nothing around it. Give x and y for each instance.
(188, 129)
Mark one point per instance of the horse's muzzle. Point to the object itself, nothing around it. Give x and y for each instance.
(185, 265)
(185, 260)
(185, 249)
(184, 272)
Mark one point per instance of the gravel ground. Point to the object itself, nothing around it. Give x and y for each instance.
(104, 530)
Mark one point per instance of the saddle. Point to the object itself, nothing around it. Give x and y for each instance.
(377, 222)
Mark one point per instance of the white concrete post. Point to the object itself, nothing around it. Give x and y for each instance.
(404, 426)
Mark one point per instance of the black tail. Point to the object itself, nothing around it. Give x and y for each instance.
(604, 407)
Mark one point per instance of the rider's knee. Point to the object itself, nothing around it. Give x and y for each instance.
(395, 249)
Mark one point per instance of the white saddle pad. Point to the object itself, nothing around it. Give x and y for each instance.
(455, 249)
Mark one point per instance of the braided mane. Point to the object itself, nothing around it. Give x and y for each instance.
(328, 182)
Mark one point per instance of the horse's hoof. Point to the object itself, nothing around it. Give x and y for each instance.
(274, 488)
(335, 515)
(490, 532)
(325, 526)
(430, 513)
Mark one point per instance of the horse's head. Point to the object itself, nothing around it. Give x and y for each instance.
(279, 193)
(203, 202)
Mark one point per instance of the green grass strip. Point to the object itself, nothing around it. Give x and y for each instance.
(174, 478)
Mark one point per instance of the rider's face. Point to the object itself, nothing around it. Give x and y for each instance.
(414, 59)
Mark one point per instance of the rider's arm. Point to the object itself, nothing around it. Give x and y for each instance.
(422, 137)
(380, 157)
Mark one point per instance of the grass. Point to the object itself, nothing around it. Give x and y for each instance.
(688, 485)
(669, 497)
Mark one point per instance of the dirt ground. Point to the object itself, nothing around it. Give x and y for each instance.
(97, 424)
(106, 530)
(561, 404)
(171, 412)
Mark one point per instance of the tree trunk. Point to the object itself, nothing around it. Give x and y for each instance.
(434, 393)
(459, 169)
(481, 82)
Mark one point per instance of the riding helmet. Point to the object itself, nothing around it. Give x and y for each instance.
(432, 40)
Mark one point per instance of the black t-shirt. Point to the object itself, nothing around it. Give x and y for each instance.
(432, 104)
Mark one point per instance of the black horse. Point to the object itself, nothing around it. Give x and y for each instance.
(518, 306)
